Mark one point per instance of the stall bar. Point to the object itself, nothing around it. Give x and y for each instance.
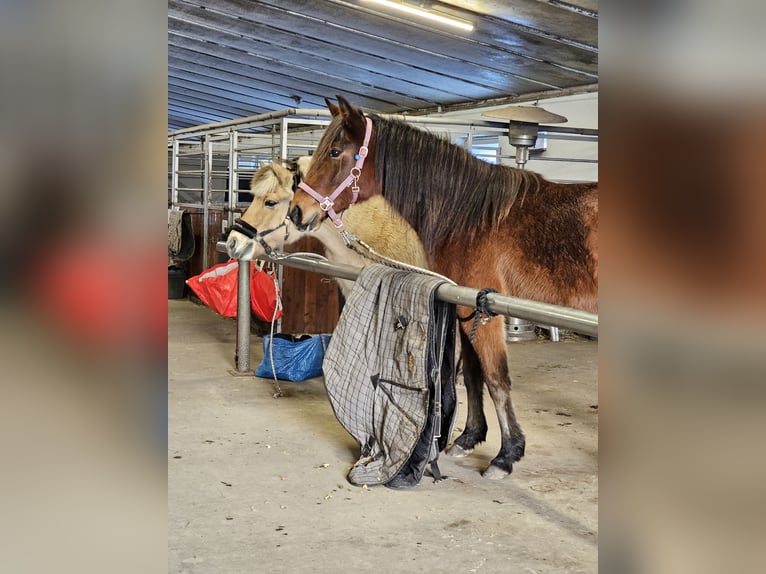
(581, 322)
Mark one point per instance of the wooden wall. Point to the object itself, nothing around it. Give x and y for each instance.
(311, 301)
(215, 219)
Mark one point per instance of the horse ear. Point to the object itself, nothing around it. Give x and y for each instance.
(334, 110)
(353, 119)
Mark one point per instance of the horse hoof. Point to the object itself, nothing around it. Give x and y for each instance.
(495, 473)
(458, 451)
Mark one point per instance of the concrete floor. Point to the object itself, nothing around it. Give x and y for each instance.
(257, 484)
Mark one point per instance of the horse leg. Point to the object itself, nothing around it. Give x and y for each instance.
(476, 424)
(493, 356)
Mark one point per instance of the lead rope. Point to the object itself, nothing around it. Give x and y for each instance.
(481, 314)
(275, 258)
(277, 389)
(353, 243)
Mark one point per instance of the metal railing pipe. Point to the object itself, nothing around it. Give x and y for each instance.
(296, 114)
(543, 313)
(582, 322)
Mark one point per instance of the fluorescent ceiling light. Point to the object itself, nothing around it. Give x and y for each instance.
(427, 14)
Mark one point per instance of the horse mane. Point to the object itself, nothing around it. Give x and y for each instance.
(282, 175)
(442, 190)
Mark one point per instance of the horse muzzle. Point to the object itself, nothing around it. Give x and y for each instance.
(296, 216)
(239, 246)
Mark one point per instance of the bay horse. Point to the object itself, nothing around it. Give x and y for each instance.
(481, 225)
(264, 226)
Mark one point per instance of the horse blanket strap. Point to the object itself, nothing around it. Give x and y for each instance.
(326, 203)
(481, 313)
(390, 375)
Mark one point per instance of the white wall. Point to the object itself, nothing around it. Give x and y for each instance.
(582, 112)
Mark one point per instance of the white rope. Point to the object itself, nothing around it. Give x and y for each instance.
(278, 393)
(350, 239)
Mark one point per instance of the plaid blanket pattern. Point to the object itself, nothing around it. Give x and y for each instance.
(376, 369)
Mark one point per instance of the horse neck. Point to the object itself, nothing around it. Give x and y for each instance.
(364, 220)
(332, 241)
(376, 223)
(337, 252)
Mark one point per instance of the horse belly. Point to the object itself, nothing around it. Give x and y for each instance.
(499, 262)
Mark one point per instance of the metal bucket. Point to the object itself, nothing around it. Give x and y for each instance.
(517, 330)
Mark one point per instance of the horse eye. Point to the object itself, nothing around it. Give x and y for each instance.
(334, 153)
(269, 203)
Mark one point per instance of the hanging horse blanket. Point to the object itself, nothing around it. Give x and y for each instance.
(180, 236)
(390, 375)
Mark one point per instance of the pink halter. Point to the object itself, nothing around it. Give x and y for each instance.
(325, 203)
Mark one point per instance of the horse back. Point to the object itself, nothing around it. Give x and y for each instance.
(546, 249)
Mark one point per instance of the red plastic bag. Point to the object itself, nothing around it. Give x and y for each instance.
(217, 288)
(264, 291)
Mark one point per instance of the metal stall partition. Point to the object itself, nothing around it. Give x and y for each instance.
(210, 168)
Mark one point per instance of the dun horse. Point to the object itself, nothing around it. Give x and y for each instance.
(264, 226)
(482, 225)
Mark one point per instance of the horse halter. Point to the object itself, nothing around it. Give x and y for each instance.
(326, 203)
(251, 232)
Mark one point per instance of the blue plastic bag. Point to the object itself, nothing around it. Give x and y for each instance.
(295, 358)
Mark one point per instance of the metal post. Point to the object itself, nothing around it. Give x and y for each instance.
(242, 357)
(522, 136)
(207, 146)
(469, 139)
(174, 184)
(233, 177)
(522, 155)
(284, 126)
(283, 139)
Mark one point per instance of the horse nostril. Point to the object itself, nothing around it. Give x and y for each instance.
(232, 244)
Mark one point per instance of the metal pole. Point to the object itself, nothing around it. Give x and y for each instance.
(208, 160)
(544, 313)
(174, 180)
(283, 126)
(582, 322)
(523, 136)
(233, 183)
(249, 121)
(522, 155)
(314, 116)
(242, 358)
